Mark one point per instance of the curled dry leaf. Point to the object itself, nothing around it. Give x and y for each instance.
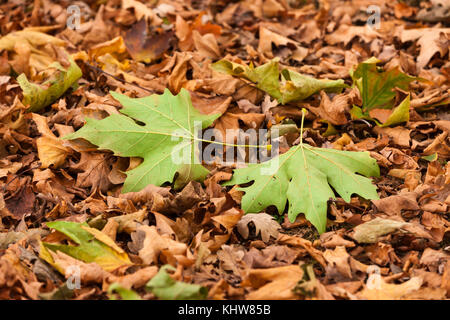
(264, 224)
(149, 244)
(51, 150)
(394, 205)
(369, 232)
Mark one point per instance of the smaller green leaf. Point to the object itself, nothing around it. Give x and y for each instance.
(92, 246)
(431, 157)
(331, 130)
(357, 113)
(377, 86)
(166, 288)
(40, 96)
(124, 293)
(400, 114)
(296, 87)
(293, 86)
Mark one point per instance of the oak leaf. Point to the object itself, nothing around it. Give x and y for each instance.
(264, 225)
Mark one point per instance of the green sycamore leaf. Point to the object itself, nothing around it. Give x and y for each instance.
(377, 86)
(377, 91)
(166, 130)
(303, 176)
(91, 246)
(166, 288)
(399, 114)
(292, 87)
(40, 96)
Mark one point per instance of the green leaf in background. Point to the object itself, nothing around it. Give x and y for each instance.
(91, 246)
(292, 87)
(168, 128)
(377, 86)
(38, 96)
(398, 115)
(431, 157)
(166, 288)
(377, 92)
(303, 176)
(124, 293)
(296, 87)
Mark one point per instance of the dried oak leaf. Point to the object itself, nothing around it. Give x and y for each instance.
(430, 40)
(264, 225)
(51, 150)
(394, 205)
(150, 244)
(231, 258)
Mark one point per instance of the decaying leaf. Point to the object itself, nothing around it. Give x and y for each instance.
(273, 283)
(144, 48)
(377, 92)
(38, 96)
(369, 232)
(149, 244)
(91, 246)
(378, 289)
(292, 87)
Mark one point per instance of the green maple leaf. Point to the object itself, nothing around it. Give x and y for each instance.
(292, 87)
(303, 176)
(377, 86)
(377, 91)
(168, 128)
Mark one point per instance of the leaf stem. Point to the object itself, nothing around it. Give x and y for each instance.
(304, 113)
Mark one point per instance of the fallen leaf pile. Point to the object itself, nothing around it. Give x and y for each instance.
(355, 206)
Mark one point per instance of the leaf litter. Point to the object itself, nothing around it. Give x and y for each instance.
(73, 194)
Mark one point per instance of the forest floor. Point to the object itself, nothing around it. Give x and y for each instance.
(67, 229)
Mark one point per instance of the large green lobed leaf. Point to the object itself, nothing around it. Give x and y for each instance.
(303, 176)
(167, 128)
